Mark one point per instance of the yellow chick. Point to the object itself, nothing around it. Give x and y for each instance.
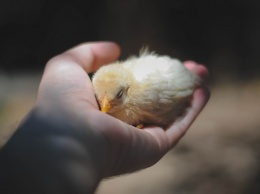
(149, 89)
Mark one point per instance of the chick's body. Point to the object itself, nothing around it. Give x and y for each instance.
(149, 89)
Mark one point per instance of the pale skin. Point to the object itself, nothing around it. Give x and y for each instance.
(105, 145)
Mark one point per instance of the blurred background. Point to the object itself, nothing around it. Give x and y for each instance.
(221, 152)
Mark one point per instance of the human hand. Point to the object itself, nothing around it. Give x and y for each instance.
(66, 86)
(66, 145)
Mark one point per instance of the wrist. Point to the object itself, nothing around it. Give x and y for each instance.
(57, 153)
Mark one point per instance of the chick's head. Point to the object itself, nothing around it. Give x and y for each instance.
(111, 84)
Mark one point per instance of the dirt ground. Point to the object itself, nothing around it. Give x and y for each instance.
(220, 154)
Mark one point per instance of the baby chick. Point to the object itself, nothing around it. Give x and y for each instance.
(149, 89)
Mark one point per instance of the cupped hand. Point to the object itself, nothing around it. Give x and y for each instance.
(66, 89)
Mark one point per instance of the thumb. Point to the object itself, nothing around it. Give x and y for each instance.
(93, 55)
(90, 56)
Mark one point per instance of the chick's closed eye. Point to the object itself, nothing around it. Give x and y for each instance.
(120, 94)
(149, 89)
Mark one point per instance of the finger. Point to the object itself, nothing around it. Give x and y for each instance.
(90, 56)
(67, 67)
(179, 128)
(64, 75)
(198, 69)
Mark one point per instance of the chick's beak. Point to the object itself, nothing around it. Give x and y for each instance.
(105, 105)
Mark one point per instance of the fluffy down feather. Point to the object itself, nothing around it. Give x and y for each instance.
(149, 89)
